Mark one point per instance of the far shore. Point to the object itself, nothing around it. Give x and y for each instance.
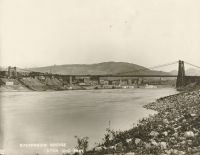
(57, 84)
(17, 88)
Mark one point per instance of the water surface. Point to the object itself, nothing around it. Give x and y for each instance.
(56, 117)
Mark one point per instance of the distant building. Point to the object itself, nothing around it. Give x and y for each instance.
(9, 83)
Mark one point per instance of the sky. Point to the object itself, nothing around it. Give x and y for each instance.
(52, 32)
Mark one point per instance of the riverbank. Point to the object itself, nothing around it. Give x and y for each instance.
(35, 84)
(175, 129)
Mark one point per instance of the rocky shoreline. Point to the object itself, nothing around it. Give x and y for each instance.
(174, 130)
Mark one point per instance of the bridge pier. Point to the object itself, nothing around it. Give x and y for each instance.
(96, 78)
(181, 74)
(71, 79)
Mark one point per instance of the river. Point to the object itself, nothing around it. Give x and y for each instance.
(56, 117)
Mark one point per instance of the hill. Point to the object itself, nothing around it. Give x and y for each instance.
(98, 69)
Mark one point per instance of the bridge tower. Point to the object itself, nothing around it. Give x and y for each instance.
(12, 72)
(181, 74)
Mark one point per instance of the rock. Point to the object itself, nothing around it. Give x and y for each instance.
(128, 140)
(189, 142)
(130, 153)
(112, 147)
(181, 152)
(183, 142)
(177, 128)
(153, 142)
(189, 148)
(163, 145)
(165, 121)
(171, 151)
(193, 115)
(184, 120)
(165, 133)
(119, 146)
(175, 134)
(182, 138)
(175, 151)
(154, 133)
(137, 141)
(147, 145)
(98, 148)
(168, 151)
(189, 134)
(196, 130)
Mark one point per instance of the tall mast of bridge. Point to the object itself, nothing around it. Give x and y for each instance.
(181, 74)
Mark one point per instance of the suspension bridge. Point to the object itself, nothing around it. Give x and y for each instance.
(182, 78)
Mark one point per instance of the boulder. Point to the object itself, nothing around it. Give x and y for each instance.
(112, 147)
(165, 121)
(165, 133)
(154, 133)
(193, 115)
(147, 145)
(119, 146)
(153, 142)
(128, 140)
(137, 141)
(130, 153)
(98, 149)
(163, 145)
(189, 134)
(175, 134)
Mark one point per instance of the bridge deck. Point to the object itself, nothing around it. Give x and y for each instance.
(125, 75)
(104, 75)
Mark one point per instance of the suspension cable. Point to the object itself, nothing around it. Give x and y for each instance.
(192, 64)
(150, 68)
(164, 65)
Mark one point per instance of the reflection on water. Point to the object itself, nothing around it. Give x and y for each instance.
(56, 117)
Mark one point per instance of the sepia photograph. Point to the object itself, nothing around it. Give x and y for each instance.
(99, 77)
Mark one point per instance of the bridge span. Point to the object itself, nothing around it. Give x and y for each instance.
(182, 78)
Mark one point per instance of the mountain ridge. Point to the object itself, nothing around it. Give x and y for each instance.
(110, 67)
